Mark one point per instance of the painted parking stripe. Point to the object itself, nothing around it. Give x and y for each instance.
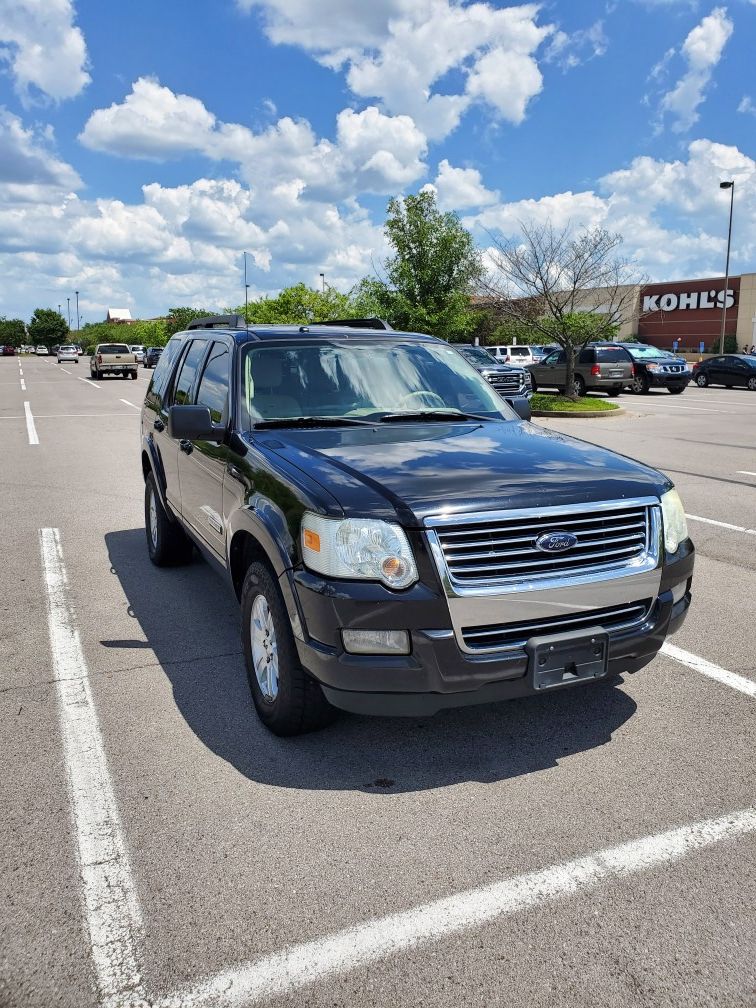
(720, 524)
(130, 404)
(23, 385)
(745, 472)
(706, 668)
(298, 966)
(111, 910)
(88, 381)
(31, 430)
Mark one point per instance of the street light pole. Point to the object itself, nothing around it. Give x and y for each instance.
(246, 290)
(322, 278)
(77, 310)
(731, 187)
(68, 303)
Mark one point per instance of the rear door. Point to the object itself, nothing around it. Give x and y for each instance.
(202, 464)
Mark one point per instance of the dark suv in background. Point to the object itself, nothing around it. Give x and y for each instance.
(657, 369)
(398, 538)
(511, 382)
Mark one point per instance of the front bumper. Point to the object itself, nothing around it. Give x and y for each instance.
(679, 380)
(438, 674)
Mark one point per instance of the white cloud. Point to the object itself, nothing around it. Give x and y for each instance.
(747, 105)
(29, 170)
(43, 49)
(397, 51)
(569, 51)
(460, 188)
(701, 50)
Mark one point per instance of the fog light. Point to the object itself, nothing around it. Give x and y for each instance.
(376, 642)
(678, 592)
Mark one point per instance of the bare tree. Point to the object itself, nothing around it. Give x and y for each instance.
(570, 288)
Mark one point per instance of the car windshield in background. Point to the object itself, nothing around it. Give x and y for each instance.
(611, 355)
(108, 348)
(647, 353)
(477, 355)
(364, 380)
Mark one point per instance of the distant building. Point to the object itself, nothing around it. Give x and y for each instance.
(119, 316)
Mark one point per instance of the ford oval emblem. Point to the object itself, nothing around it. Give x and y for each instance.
(556, 542)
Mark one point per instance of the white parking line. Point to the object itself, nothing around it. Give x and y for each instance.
(88, 381)
(111, 910)
(719, 524)
(745, 472)
(23, 385)
(706, 668)
(31, 430)
(694, 409)
(130, 404)
(66, 370)
(299, 966)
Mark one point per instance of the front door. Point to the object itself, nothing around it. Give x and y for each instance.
(552, 371)
(202, 464)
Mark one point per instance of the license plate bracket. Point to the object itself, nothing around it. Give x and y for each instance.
(563, 659)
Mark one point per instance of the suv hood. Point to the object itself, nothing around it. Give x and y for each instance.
(417, 470)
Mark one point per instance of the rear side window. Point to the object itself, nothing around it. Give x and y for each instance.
(163, 369)
(187, 372)
(517, 351)
(585, 356)
(213, 386)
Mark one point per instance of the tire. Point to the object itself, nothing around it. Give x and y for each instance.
(675, 389)
(614, 392)
(533, 384)
(702, 381)
(133, 375)
(288, 701)
(167, 543)
(97, 375)
(751, 386)
(579, 386)
(640, 385)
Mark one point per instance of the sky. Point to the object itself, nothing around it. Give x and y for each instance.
(144, 148)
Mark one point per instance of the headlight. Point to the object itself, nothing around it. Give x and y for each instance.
(361, 548)
(675, 525)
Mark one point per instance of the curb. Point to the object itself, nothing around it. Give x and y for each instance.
(579, 414)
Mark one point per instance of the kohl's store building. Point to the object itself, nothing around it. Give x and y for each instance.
(686, 315)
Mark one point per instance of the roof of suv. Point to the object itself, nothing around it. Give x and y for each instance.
(233, 325)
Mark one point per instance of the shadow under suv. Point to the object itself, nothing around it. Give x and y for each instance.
(399, 540)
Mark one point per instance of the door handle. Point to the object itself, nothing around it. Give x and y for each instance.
(159, 425)
(186, 446)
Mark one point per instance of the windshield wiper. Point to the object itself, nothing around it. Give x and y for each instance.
(313, 421)
(431, 415)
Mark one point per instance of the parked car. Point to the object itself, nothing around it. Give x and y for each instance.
(398, 539)
(515, 354)
(606, 368)
(68, 353)
(728, 370)
(41, 351)
(112, 359)
(152, 356)
(8, 351)
(138, 350)
(657, 369)
(512, 383)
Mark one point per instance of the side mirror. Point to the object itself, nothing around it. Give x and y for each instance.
(521, 406)
(192, 423)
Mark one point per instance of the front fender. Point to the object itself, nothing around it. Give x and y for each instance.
(156, 465)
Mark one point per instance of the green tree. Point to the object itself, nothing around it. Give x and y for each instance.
(433, 272)
(299, 305)
(179, 318)
(12, 332)
(48, 327)
(570, 287)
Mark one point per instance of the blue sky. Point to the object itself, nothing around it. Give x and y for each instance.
(144, 147)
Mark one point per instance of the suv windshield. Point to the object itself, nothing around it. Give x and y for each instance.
(646, 353)
(477, 355)
(361, 379)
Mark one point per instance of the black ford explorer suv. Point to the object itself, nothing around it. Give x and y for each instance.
(398, 538)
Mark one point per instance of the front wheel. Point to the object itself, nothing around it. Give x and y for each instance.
(640, 385)
(288, 701)
(167, 543)
(702, 381)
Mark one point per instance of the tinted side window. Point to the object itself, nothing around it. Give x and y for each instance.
(586, 356)
(163, 369)
(612, 355)
(213, 386)
(187, 372)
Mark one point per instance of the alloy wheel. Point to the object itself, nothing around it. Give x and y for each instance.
(264, 648)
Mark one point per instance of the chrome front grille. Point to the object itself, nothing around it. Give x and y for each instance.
(514, 636)
(507, 384)
(482, 549)
(673, 368)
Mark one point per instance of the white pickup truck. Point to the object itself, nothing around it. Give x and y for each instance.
(112, 358)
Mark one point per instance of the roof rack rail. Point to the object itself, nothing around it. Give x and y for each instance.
(218, 322)
(358, 323)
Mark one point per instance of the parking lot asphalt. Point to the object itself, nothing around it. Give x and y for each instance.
(449, 861)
